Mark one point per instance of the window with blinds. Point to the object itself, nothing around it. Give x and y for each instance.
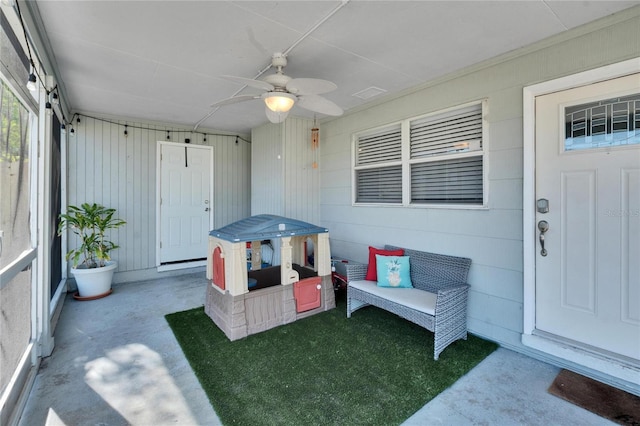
(380, 185)
(446, 157)
(447, 181)
(437, 160)
(378, 171)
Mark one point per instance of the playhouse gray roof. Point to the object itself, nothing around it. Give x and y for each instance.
(264, 227)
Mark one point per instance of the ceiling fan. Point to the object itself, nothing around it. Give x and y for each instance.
(282, 92)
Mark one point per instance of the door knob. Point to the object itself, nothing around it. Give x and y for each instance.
(543, 227)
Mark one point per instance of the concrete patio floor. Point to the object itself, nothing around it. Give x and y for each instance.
(116, 362)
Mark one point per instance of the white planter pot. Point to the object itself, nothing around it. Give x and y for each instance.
(94, 281)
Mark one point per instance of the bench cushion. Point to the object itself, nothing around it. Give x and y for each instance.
(420, 300)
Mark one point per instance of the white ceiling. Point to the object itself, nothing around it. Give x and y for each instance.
(161, 60)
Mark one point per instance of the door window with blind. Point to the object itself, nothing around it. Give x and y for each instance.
(432, 160)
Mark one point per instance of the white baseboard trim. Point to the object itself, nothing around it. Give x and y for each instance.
(586, 369)
(156, 272)
(180, 266)
(606, 370)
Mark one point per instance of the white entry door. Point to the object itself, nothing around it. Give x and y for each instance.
(185, 201)
(588, 193)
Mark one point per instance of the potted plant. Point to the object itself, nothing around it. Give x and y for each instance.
(92, 266)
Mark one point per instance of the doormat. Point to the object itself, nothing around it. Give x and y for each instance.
(606, 401)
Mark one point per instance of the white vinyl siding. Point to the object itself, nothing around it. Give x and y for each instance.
(491, 236)
(284, 180)
(119, 171)
(442, 155)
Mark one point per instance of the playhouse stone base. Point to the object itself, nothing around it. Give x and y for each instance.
(259, 310)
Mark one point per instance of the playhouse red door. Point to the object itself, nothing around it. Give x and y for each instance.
(307, 294)
(218, 268)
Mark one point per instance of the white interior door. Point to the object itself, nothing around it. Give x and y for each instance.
(185, 202)
(588, 168)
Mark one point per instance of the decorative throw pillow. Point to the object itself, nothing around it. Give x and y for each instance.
(393, 271)
(372, 274)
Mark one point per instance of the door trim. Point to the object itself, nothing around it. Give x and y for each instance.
(187, 264)
(530, 338)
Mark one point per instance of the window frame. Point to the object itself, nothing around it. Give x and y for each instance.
(609, 138)
(391, 127)
(28, 260)
(29, 254)
(406, 161)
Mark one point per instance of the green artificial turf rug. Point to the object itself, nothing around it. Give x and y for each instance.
(374, 368)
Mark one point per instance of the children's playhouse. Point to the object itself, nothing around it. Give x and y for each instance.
(244, 297)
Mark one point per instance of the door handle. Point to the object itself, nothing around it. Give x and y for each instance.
(206, 209)
(543, 227)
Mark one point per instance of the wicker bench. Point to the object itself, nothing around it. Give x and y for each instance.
(438, 301)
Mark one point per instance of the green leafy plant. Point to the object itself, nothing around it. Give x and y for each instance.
(90, 223)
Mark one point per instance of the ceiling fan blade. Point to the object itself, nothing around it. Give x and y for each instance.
(234, 100)
(258, 84)
(319, 104)
(310, 86)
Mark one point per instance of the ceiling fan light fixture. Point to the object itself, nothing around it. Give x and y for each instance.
(279, 102)
(275, 117)
(281, 93)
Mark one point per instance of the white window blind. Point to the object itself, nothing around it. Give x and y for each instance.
(442, 155)
(454, 180)
(380, 185)
(381, 146)
(447, 133)
(379, 167)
